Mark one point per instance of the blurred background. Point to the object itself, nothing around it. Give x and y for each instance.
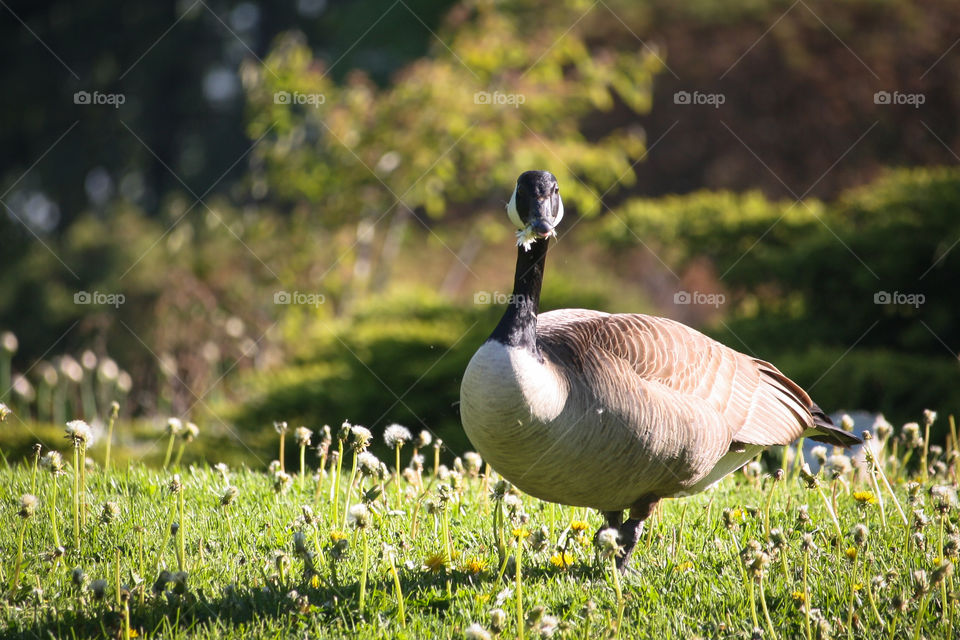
(241, 212)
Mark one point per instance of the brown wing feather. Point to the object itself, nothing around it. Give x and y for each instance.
(759, 404)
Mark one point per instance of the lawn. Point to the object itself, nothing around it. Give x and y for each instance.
(202, 552)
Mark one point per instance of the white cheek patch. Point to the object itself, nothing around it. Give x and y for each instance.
(556, 221)
(512, 212)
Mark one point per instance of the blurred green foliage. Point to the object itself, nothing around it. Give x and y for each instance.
(806, 282)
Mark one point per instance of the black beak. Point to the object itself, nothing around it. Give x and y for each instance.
(541, 227)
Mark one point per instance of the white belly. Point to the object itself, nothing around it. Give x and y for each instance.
(535, 431)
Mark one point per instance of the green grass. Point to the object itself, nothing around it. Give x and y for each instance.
(689, 579)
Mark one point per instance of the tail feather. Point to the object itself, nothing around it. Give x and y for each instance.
(824, 430)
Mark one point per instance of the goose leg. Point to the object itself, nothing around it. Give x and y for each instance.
(632, 528)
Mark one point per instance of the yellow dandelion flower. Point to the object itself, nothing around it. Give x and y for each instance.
(684, 566)
(315, 581)
(798, 596)
(337, 536)
(851, 552)
(865, 497)
(579, 526)
(435, 562)
(520, 533)
(857, 586)
(562, 560)
(474, 566)
(133, 633)
(738, 514)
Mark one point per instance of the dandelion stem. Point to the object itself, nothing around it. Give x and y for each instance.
(283, 439)
(303, 465)
(346, 503)
(921, 611)
(753, 602)
(335, 483)
(181, 533)
(53, 512)
(363, 571)
(833, 516)
(616, 587)
(519, 589)
(873, 604)
(766, 613)
(166, 457)
(401, 617)
(886, 483)
(114, 411)
(397, 477)
(806, 593)
(15, 581)
(76, 497)
(853, 580)
(83, 484)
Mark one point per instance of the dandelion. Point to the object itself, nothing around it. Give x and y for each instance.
(865, 497)
(437, 445)
(435, 562)
(368, 464)
(281, 482)
(188, 434)
(4, 412)
(359, 517)
(109, 512)
(475, 565)
(882, 428)
(472, 463)
(53, 462)
(302, 435)
(819, 454)
(174, 427)
(755, 559)
(80, 434)
(114, 412)
(498, 620)
(223, 471)
(28, 506)
(562, 560)
(911, 435)
(281, 428)
(98, 588)
(476, 632)
(837, 466)
(360, 438)
(228, 496)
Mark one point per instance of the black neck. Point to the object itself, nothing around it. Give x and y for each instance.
(518, 326)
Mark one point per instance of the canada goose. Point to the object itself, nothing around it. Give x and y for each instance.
(616, 411)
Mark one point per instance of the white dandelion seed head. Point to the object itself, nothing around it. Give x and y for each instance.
(368, 464)
(228, 496)
(472, 462)
(396, 435)
(424, 439)
(174, 426)
(819, 453)
(303, 436)
(476, 632)
(359, 516)
(80, 432)
(609, 541)
(360, 437)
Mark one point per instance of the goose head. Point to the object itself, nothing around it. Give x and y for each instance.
(535, 207)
